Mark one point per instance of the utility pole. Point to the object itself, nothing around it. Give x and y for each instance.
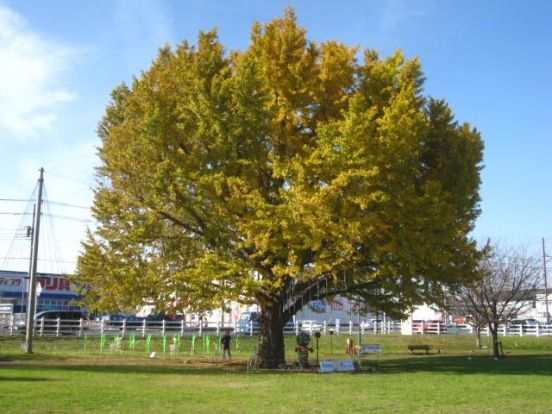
(545, 282)
(32, 276)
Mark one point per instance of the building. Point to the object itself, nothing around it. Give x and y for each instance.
(56, 291)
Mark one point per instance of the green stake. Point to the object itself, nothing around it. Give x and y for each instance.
(193, 343)
(208, 344)
(164, 344)
(132, 342)
(102, 343)
(117, 342)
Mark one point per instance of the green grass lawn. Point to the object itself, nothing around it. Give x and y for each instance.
(71, 376)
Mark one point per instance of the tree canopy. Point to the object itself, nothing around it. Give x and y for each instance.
(289, 171)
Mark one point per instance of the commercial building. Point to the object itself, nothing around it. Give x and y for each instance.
(55, 291)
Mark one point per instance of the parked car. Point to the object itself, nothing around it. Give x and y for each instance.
(370, 323)
(524, 322)
(428, 327)
(46, 321)
(252, 318)
(246, 320)
(132, 322)
(311, 326)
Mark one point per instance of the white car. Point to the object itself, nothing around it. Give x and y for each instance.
(311, 326)
(370, 323)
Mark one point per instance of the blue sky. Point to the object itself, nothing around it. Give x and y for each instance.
(491, 60)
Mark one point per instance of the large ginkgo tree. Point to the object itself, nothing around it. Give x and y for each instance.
(289, 171)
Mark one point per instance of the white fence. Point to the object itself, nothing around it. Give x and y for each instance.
(14, 325)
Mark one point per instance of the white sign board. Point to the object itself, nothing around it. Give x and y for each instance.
(341, 365)
(327, 366)
(370, 349)
(6, 308)
(345, 365)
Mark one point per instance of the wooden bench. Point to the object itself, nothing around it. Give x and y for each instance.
(413, 348)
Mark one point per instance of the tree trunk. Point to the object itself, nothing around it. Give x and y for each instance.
(271, 352)
(478, 337)
(494, 334)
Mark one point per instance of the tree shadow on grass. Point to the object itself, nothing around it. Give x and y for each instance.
(457, 365)
(24, 379)
(466, 365)
(129, 368)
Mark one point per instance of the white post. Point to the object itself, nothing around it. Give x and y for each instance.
(250, 328)
(102, 327)
(80, 327)
(218, 328)
(163, 325)
(58, 327)
(182, 327)
(325, 328)
(235, 326)
(520, 329)
(537, 330)
(12, 324)
(296, 323)
(438, 327)
(200, 327)
(337, 326)
(123, 328)
(144, 327)
(361, 328)
(41, 326)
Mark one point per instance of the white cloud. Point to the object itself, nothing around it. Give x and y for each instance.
(31, 77)
(68, 179)
(402, 12)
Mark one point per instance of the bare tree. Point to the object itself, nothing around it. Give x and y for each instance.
(505, 289)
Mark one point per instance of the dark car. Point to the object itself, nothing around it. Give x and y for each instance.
(69, 320)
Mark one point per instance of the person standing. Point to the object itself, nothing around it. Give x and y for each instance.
(225, 341)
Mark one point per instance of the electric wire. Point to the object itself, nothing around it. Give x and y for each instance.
(16, 247)
(67, 178)
(50, 234)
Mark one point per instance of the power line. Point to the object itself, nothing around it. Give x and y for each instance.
(40, 260)
(7, 213)
(69, 218)
(58, 203)
(68, 178)
(68, 205)
(15, 199)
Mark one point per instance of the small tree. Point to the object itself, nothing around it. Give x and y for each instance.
(504, 290)
(462, 306)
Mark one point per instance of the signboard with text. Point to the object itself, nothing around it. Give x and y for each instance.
(340, 365)
(370, 349)
(49, 283)
(6, 308)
